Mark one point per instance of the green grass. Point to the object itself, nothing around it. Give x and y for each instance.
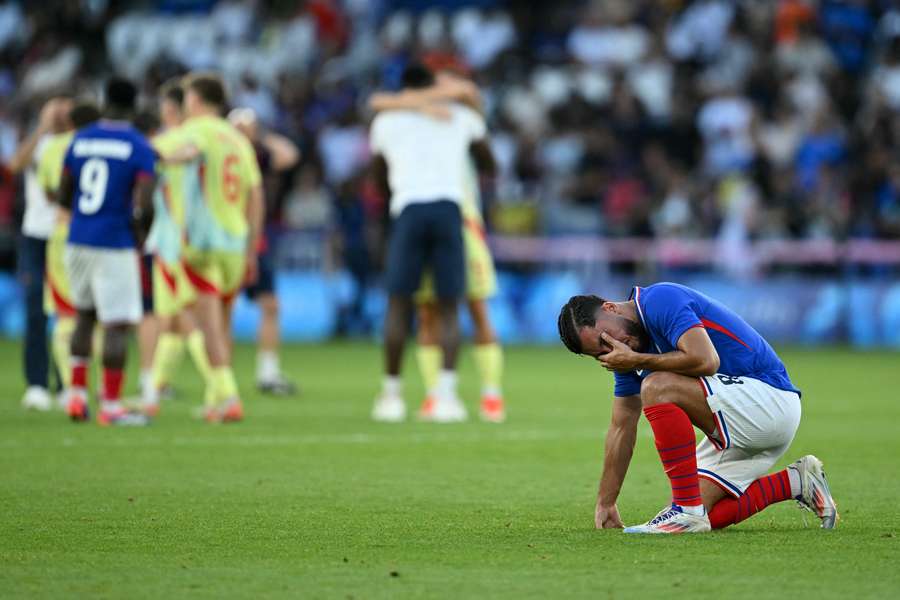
(308, 498)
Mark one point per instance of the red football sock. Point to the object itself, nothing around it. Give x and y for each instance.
(112, 384)
(79, 371)
(675, 441)
(761, 493)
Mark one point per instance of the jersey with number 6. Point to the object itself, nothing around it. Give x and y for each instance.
(105, 160)
(217, 198)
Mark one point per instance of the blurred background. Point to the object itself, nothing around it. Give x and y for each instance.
(749, 149)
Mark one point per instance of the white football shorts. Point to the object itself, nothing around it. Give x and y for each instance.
(755, 425)
(107, 280)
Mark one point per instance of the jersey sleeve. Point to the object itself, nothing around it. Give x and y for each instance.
(474, 124)
(377, 134)
(144, 158)
(69, 158)
(668, 312)
(49, 167)
(250, 165)
(627, 384)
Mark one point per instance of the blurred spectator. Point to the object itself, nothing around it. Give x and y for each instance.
(698, 118)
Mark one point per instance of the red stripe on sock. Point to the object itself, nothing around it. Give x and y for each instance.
(729, 511)
(672, 430)
(112, 384)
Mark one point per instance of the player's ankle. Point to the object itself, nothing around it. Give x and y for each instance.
(391, 386)
(697, 510)
(796, 485)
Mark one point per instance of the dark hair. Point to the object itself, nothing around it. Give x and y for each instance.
(120, 95)
(209, 87)
(146, 122)
(416, 75)
(84, 113)
(578, 312)
(173, 91)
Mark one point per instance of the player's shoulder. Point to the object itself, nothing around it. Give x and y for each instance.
(60, 141)
(466, 112)
(664, 289)
(663, 297)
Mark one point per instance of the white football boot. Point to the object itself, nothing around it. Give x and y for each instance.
(673, 519)
(389, 409)
(448, 408)
(815, 495)
(37, 398)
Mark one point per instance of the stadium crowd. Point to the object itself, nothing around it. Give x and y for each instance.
(702, 118)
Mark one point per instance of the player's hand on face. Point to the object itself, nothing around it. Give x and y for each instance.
(620, 358)
(607, 517)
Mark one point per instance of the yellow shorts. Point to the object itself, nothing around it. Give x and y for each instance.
(481, 277)
(57, 293)
(172, 290)
(215, 272)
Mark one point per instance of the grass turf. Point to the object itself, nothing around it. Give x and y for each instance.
(308, 498)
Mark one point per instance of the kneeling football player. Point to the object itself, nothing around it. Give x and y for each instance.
(687, 361)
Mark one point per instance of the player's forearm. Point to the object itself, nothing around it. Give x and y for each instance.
(681, 363)
(285, 153)
(407, 100)
(25, 152)
(619, 448)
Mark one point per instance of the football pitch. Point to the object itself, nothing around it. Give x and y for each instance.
(309, 498)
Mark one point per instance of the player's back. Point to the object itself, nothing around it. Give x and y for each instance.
(427, 157)
(227, 171)
(105, 160)
(742, 350)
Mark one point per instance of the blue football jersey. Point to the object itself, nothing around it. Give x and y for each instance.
(105, 160)
(667, 310)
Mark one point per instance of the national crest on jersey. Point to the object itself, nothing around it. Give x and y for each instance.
(105, 160)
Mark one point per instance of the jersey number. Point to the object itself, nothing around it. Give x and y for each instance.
(92, 183)
(231, 180)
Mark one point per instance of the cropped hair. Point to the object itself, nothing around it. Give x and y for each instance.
(578, 312)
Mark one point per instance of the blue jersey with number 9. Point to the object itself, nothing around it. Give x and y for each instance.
(105, 161)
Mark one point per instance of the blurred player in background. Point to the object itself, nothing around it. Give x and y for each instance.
(108, 183)
(173, 294)
(275, 154)
(225, 203)
(481, 278)
(58, 298)
(420, 162)
(37, 226)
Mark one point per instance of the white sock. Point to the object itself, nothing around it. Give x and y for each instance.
(267, 367)
(698, 510)
(796, 486)
(491, 390)
(391, 386)
(145, 380)
(446, 384)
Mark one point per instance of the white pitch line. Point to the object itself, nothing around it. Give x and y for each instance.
(321, 439)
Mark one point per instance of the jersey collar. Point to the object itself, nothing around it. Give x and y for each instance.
(636, 296)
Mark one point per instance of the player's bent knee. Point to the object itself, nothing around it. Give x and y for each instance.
(659, 388)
